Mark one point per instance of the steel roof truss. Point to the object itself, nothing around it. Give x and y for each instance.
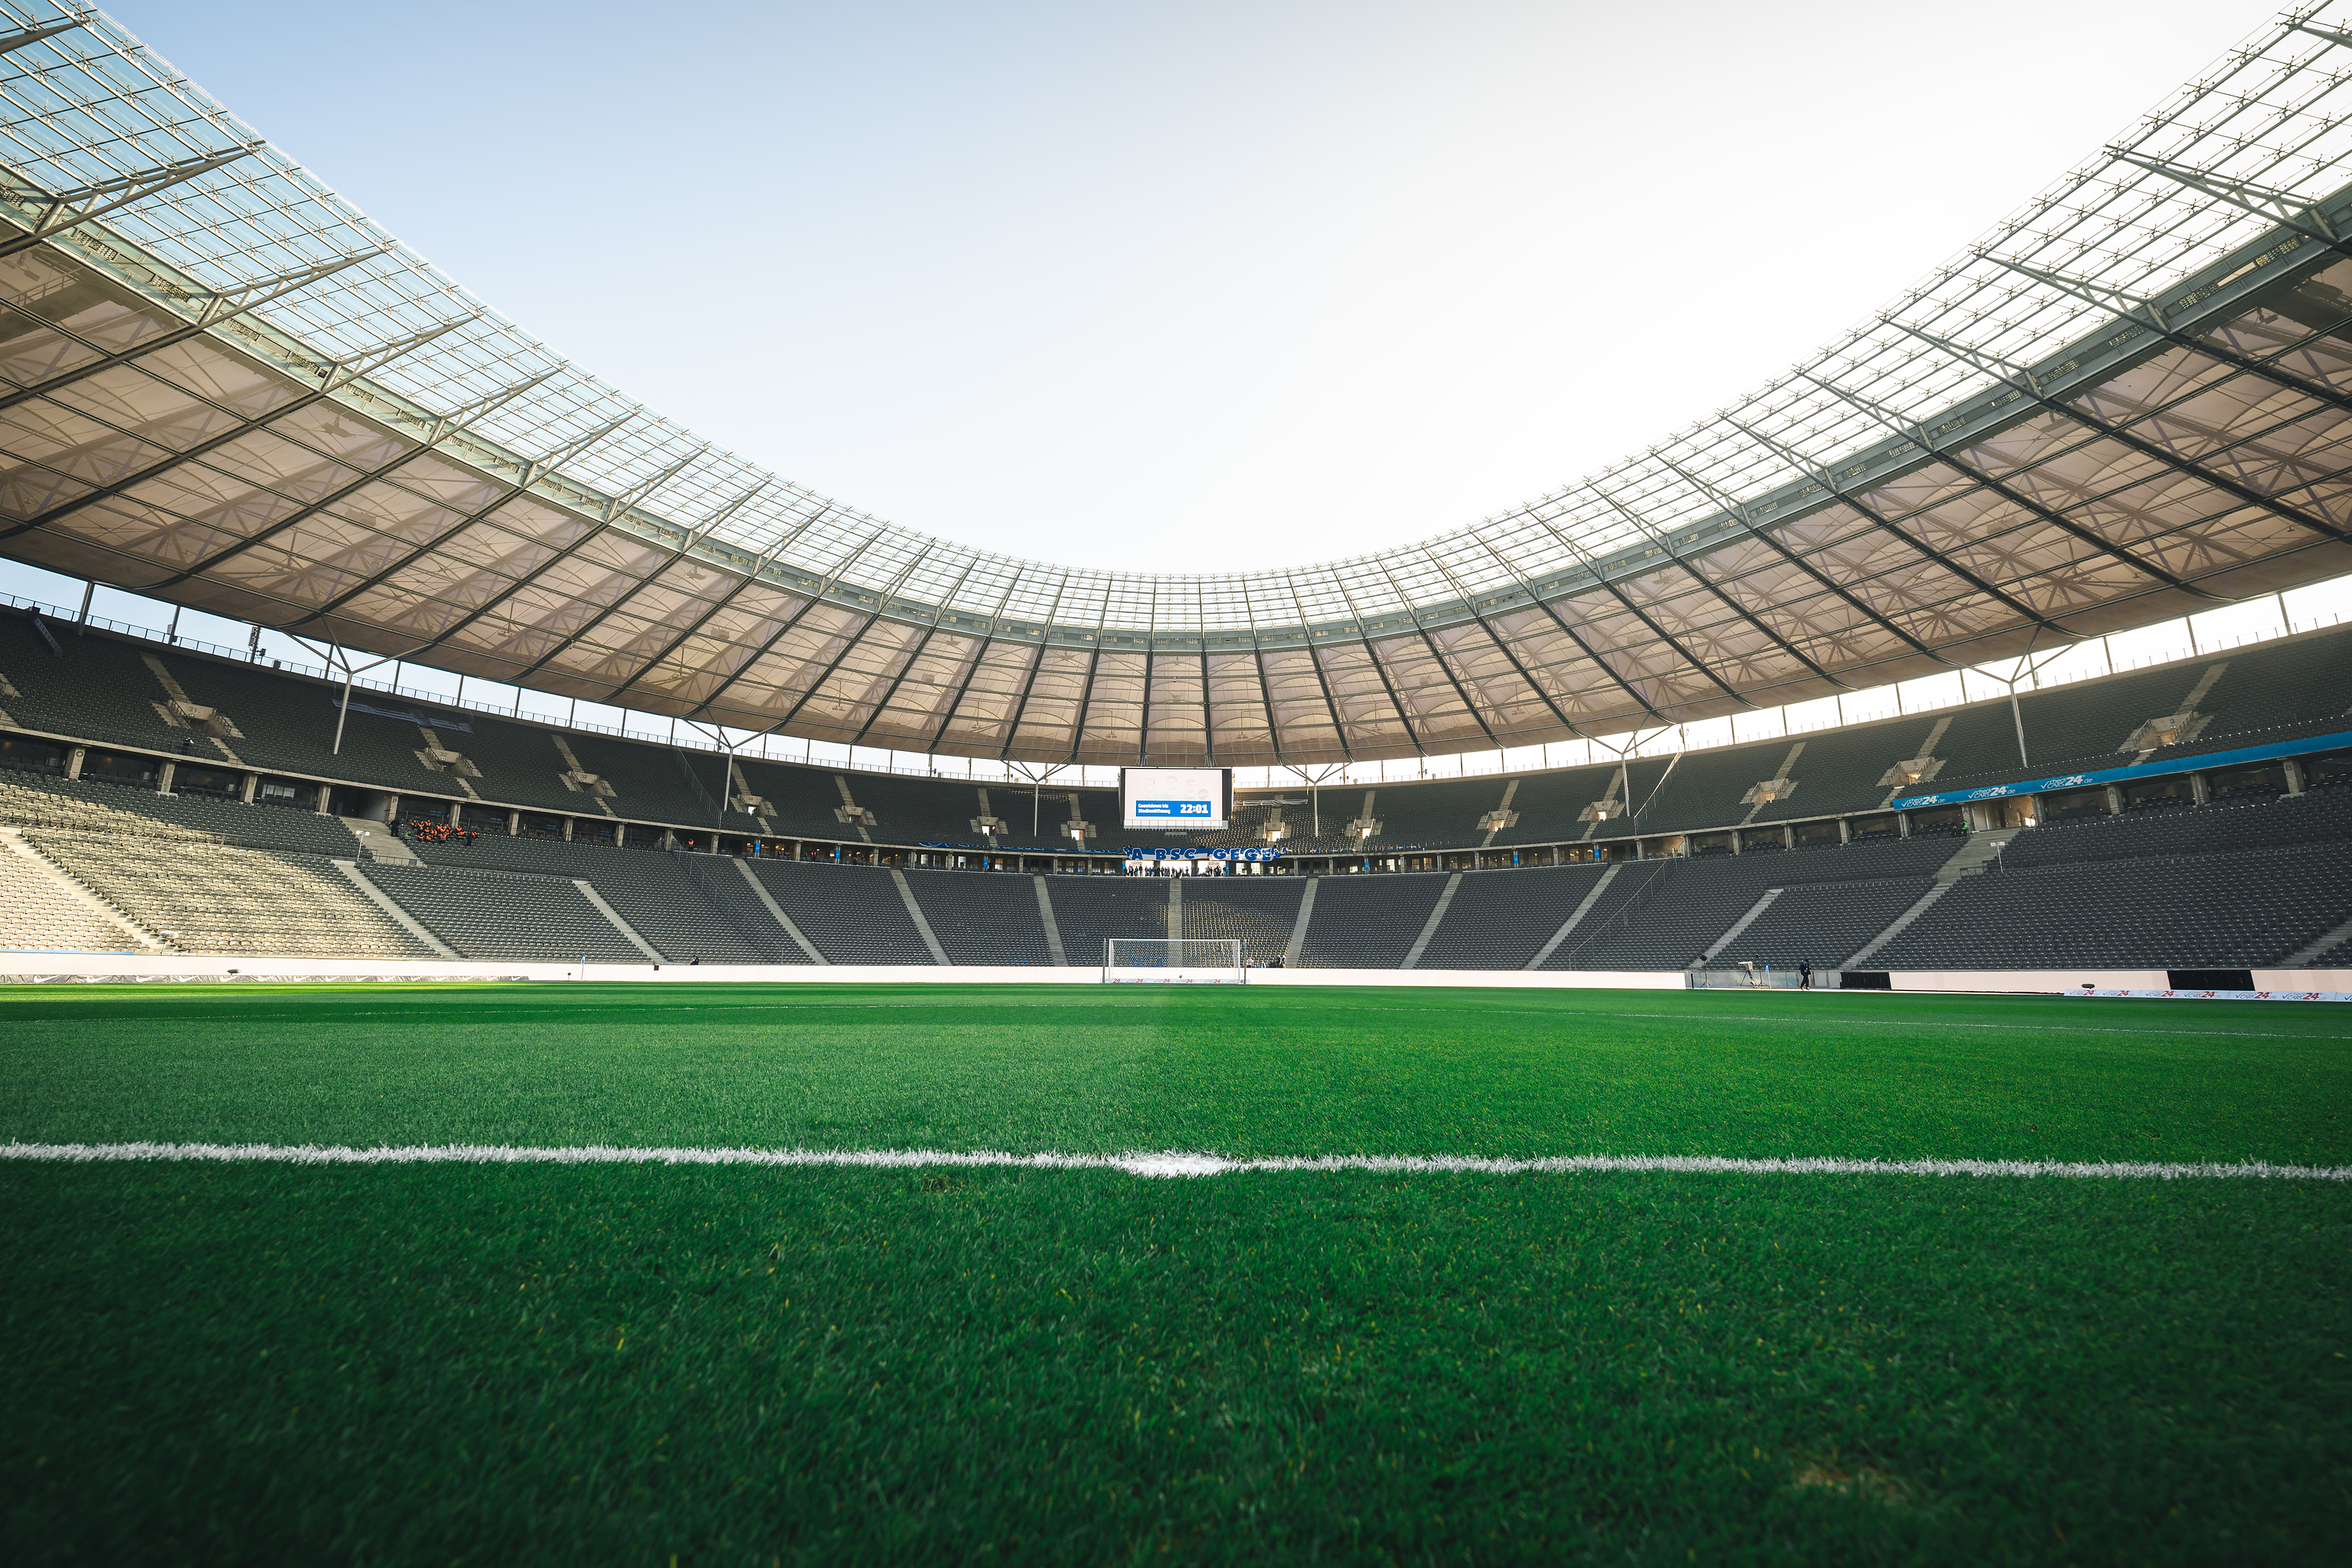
(1822, 478)
(67, 210)
(2247, 493)
(1740, 513)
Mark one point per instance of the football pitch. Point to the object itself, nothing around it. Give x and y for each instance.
(1968, 1279)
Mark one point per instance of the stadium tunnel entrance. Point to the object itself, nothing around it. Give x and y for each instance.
(374, 804)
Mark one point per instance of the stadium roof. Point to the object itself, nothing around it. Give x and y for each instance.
(222, 385)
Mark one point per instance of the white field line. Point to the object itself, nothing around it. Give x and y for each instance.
(1170, 1162)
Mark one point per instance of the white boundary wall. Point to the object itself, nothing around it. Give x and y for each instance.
(2053, 981)
(27, 966)
(24, 966)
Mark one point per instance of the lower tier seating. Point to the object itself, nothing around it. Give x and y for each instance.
(2204, 911)
(1822, 923)
(1501, 920)
(37, 915)
(853, 914)
(506, 916)
(1368, 923)
(206, 898)
(723, 881)
(1257, 911)
(984, 916)
(1091, 911)
(2247, 885)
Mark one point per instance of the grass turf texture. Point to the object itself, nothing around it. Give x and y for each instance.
(741, 1365)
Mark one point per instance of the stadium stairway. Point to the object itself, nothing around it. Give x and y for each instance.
(507, 916)
(1260, 912)
(852, 914)
(1368, 921)
(984, 916)
(1500, 920)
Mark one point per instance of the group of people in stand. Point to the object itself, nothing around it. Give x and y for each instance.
(433, 833)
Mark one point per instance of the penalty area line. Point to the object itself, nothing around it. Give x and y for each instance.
(1164, 1162)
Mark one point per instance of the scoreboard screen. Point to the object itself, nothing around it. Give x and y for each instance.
(1171, 798)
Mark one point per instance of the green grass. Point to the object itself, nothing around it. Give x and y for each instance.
(625, 1363)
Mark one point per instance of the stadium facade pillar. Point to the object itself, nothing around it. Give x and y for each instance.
(74, 758)
(2294, 775)
(252, 787)
(164, 776)
(514, 823)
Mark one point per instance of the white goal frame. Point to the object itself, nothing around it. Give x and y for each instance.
(1175, 960)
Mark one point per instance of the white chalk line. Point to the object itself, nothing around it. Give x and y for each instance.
(1164, 1162)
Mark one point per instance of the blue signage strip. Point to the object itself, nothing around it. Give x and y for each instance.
(1156, 853)
(2271, 753)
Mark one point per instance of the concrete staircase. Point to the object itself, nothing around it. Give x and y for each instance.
(376, 842)
(1979, 851)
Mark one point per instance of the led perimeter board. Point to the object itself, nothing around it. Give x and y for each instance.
(1171, 798)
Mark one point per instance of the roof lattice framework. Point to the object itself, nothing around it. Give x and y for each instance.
(221, 385)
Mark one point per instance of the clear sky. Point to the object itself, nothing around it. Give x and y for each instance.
(1206, 286)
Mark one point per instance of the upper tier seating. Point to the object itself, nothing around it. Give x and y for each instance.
(117, 691)
(31, 800)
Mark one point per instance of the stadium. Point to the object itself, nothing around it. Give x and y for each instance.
(1778, 1002)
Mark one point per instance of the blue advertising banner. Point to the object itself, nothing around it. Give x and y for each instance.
(2271, 753)
(1156, 853)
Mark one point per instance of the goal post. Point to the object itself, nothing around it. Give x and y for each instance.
(1175, 960)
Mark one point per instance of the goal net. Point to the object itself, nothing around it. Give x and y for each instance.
(1182, 961)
